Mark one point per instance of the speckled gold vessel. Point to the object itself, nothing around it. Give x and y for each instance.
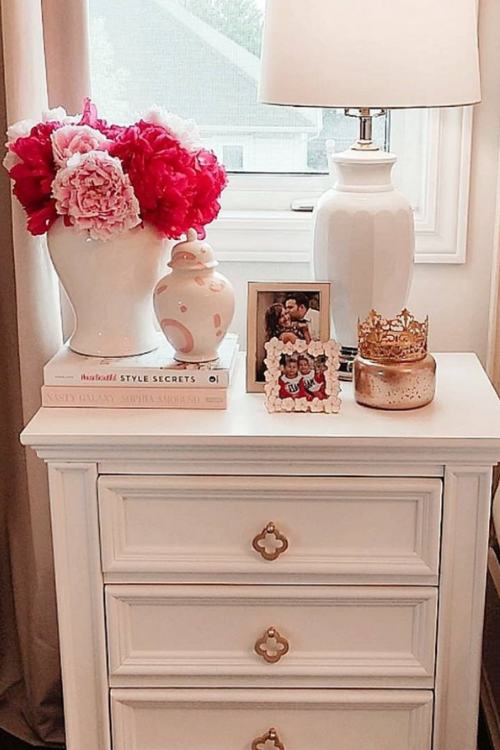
(393, 369)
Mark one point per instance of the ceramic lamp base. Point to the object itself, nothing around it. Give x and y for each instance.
(346, 360)
(363, 241)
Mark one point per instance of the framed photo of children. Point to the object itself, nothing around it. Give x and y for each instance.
(288, 311)
(302, 377)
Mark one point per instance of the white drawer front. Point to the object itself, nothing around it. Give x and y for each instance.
(241, 719)
(218, 635)
(337, 530)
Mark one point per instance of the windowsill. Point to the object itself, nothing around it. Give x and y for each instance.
(262, 236)
(286, 237)
(257, 224)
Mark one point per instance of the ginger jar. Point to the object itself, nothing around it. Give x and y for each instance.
(194, 303)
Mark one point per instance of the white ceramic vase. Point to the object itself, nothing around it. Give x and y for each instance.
(364, 241)
(194, 303)
(109, 284)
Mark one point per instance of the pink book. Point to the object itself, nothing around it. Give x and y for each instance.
(133, 398)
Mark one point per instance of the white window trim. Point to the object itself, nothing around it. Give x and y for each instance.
(258, 225)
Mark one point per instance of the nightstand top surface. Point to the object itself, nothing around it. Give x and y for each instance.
(465, 412)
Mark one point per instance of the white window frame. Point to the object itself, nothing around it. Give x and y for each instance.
(257, 223)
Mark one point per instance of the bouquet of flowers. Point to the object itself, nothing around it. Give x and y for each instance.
(104, 179)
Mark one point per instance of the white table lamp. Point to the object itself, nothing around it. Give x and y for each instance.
(369, 57)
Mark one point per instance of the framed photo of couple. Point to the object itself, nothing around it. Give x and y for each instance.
(291, 312)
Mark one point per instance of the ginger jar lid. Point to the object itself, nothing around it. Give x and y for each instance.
(192, 254)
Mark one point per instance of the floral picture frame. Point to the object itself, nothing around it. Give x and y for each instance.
(302, 377)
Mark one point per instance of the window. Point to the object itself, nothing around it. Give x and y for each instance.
(232, 157)
(200, 59)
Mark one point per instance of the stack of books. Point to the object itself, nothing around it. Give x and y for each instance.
(150, 381)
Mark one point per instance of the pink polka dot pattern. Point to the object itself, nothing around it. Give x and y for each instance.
(179, 336)
(161, 289)
(183, 308)
(218, 333)
(217, 286)
(217, 320)
(198, 280)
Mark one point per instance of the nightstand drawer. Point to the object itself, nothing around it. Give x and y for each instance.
(290, 636)
(243, 719)
(270, 530)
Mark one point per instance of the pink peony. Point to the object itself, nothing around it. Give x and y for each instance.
(93, 194)
(76, 139)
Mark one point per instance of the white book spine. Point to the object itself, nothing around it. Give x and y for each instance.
(147, 378)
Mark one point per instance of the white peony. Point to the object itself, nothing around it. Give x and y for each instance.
(186, 131)
(59, 114)
(19, 129)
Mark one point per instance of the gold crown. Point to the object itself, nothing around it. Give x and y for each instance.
(402, 339)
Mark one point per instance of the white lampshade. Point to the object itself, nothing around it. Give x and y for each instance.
(370, 53)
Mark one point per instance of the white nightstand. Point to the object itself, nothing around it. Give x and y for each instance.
(371, 581)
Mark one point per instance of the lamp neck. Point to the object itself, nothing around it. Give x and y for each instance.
(365, 115)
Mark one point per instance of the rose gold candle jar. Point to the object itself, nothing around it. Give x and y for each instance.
(393, 369)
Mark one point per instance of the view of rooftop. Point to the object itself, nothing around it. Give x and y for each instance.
(197, 58)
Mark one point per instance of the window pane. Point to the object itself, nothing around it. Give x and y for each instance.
(200, 59)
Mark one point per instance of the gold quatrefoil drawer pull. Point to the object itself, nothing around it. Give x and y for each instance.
(272, 646)
(268, 741)
(270, 544)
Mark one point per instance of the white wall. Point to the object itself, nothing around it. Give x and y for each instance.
(456, 297)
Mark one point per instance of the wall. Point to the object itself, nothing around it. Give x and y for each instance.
(456, 297)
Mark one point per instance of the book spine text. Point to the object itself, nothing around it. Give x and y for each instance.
(147, 379)
(134, 398)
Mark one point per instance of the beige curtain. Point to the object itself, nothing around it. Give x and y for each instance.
(45, 64)
(495, 343)
(494, 329)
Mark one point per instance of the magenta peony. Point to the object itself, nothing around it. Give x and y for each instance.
(33, 175)
(93, 194)
(76, 139)
(89, 117)
(168, 179)
(211, 180)
(186, 131)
